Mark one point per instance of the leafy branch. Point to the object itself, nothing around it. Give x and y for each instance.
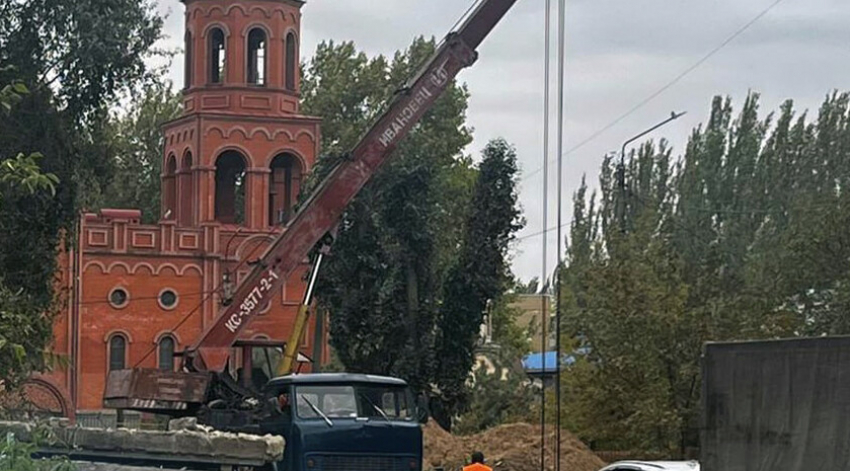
(23, 171)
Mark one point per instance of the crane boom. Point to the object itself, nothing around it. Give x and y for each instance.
(323, 209)
(207, 386)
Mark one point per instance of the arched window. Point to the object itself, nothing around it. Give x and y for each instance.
(291, 61)
(257, 56)
(189, 58)
(230, 188)
(284, 185)
(187, 190)
(166, 354)
(187, 161)
(117, 352)
(170, 184)
(217, 55)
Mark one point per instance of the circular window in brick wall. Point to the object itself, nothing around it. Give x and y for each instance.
(168, 299)
(119, 298)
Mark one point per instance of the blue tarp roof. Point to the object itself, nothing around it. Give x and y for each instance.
(533, 362)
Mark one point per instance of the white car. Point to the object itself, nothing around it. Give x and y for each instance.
(652, 466)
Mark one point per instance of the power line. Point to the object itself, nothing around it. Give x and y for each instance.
(142, 298)
(669, 84)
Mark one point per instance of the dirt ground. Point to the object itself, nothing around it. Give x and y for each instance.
(516, 445)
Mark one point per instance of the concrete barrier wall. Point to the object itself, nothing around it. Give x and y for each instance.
(85, 466)
(180, 445)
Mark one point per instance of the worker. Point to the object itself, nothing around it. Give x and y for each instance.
(280, 406)
(477, 463)
(283, 402)
(279, 416)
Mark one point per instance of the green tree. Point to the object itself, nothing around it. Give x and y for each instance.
(345, 88)
(76, 58)
(531, 287)
(17, 456)
(506, 332)
(383, 282)
(86, 51)
(503, 396)
(136, 139)
(624, 302)
(480, 273)
(24, 328)
(26, 332)
(23, 173)
(742, 237)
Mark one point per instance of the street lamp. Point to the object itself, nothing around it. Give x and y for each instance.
(621, 169)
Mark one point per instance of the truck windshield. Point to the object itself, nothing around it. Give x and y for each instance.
(394, 402)
(375, 401)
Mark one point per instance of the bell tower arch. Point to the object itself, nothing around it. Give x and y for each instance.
(249, 146)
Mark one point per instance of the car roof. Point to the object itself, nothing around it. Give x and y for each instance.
(336, 378)
(654, 466)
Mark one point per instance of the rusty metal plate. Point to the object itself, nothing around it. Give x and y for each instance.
(147, 389)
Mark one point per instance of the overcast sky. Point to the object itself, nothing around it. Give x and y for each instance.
(618, 52)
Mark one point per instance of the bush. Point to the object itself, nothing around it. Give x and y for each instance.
(18, 456)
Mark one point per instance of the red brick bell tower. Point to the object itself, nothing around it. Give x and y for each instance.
(239, 152)
(233, 164)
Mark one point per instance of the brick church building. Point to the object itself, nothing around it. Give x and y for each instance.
(232, 167)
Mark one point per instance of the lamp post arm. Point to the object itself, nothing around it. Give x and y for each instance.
(621, 169)
(673, 116)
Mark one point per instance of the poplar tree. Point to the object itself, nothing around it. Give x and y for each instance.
(480, 275)
(743, 236)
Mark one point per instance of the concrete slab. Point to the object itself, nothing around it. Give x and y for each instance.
(84, 466)
(177, 445)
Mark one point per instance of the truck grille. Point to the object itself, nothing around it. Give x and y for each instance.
(360, 463)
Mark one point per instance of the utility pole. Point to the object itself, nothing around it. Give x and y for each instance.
(545, 274)
(562, 39)
(621, 168)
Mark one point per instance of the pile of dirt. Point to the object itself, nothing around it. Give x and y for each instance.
(517, 446)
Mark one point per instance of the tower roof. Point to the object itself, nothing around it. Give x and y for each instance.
(297, 3)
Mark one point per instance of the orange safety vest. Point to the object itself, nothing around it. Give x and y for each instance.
(477, 467)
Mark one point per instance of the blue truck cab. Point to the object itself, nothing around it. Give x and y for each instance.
(341, 421)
